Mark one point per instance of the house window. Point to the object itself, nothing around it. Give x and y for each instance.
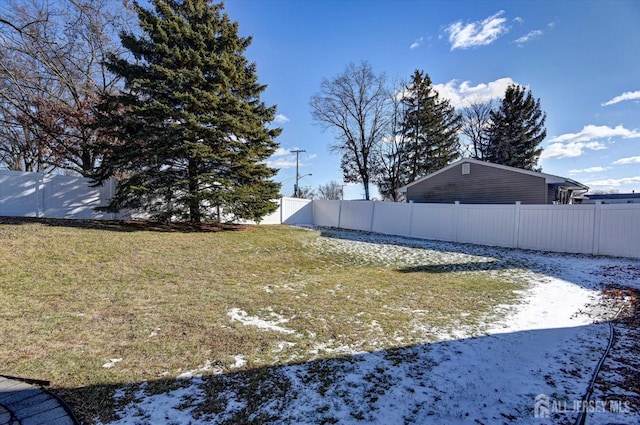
(466, 168)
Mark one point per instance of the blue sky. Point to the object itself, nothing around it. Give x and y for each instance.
(581, 58)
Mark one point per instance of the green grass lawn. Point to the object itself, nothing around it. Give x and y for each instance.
(73, 298)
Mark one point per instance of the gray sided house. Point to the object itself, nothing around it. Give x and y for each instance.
(471, 181)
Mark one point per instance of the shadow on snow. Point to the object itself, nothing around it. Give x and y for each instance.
(484, 380)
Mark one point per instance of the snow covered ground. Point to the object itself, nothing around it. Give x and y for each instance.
(532, 366)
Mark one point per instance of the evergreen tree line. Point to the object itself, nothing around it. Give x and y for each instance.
(392, 135)
(170, 107)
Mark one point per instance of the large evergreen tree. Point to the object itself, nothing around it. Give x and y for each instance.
(516, 130)
(430, 128)
(192, 132)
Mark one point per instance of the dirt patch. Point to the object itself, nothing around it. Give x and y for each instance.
(619, 380)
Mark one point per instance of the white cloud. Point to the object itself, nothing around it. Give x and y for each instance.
(629, 160)
(628, 95)
(463, 94)
(281, 152)
(285, 158)
(281, 119)
(281, 163)
(282, 158)
(479, 33)
(614, 182)
(416, 43)
(569, 150)
(589, 170)
(593, 132)
(574, 144)
(528, 37)
(519, 20)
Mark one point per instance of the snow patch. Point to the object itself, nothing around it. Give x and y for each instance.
(239, 362)
(111, 363)
(272, 325)
(208, 367)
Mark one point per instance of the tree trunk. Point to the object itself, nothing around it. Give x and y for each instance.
(194, 194)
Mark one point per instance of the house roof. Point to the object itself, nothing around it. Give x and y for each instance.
(549, 178)
(604, 196)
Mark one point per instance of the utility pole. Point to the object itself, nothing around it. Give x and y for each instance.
(296, 188)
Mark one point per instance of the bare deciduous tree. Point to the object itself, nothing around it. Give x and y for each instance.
(306, 192)
(476, 119)
(354, 105)
(52, 74)
(331, 191)
(391, 152)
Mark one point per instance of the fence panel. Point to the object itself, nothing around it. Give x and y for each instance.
(25, 194)
(391, 218)
(275, 217)
(356, 215)
(326, 213)
(619, 230)
(73, 197)
(296, 211)
(486, 224)
(561, 228)
(433, 221)
(20, 193)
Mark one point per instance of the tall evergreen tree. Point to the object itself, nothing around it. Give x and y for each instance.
(430, 128)
(516, 130)
(192, 132)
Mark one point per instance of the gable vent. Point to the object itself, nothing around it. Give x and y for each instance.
(466, 168)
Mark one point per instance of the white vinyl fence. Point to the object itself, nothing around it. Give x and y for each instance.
(25, 194)
(291, 211)
(599, 229)
(51, 195)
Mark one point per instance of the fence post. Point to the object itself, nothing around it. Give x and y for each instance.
(373, 215)
(516, 226)
(339, 213)
(597, 223)
(111, 194)
(281, 208)
(410, 227)
(39, 193)
(457, 214)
